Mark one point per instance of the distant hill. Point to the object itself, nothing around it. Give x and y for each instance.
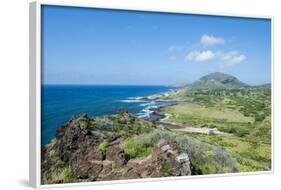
(218, 80)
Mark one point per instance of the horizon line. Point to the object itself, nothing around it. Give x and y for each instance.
(88, 84)
(168, 85)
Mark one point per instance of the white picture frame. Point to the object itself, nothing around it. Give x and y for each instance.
(35, 91)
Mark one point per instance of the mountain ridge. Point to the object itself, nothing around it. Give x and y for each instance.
(218, 80)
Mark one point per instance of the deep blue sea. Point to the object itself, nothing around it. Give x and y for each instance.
(61, 102)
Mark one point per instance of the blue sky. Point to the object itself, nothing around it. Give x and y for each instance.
(98, 46)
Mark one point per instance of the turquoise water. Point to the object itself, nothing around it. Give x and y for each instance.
(61, 102)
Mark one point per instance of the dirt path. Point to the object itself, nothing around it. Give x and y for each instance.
(178, 127)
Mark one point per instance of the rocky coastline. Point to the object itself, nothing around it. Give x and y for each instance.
(164, 100)
(87, 149)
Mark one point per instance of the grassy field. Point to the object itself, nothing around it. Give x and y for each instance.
(188, 113)
(243, 113)
(249, 155)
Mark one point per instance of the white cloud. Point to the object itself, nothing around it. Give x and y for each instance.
(238, 59)
(208, 40)
(200, 56)
(233, 57)
(192, 55)
(226, 58)
(200, 53)
(205, 55)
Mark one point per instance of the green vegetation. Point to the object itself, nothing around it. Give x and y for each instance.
(125, 125)
(103, 146)
(59, 172)
(205, 158)
(135, 149)
(59, 175)
(67, 175)
(190, 112)
(245, 113)
(164, 167)
(250, 156)
(218, 80)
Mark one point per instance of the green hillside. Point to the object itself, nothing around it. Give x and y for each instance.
(218, 80)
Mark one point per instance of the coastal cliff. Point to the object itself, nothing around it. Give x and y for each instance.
(87, 149)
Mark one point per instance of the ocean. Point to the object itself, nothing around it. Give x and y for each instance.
(60, 102)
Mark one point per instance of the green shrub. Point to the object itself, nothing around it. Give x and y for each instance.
(205, 158)
(259, 118)
(164, 167)
(103, 146)
(242, 133)
(134, 149)
(67, 175)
